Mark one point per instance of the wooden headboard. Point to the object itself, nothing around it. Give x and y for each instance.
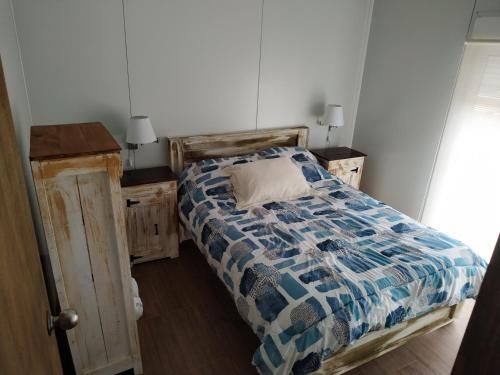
(185, 150)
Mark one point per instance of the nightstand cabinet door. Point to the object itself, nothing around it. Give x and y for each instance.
(143, 222)
(348, 170)
(84, 224)
(151, 216)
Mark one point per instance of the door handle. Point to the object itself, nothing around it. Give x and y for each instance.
(66, 320)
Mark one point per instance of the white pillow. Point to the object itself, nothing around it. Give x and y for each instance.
(267, 180)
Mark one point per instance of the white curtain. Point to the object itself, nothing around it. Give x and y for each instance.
(464, 195)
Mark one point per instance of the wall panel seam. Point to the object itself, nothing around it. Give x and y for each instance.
(260, 63)
(361, 68)
(126, 58)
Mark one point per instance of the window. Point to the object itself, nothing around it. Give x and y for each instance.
(464, 195)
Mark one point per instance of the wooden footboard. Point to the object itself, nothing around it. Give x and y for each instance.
(377, 343)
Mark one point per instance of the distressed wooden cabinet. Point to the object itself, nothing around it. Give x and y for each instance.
(343, 162)
(76, 170)
(150, 201)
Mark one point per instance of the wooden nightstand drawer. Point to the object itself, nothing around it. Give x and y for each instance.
(147, 194)
(348, 170)
(151, 218)
(342, 162)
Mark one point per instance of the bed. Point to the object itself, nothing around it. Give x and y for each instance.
(328, 281)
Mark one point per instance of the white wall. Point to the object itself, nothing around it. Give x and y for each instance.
(10, 54)
(313, 54)
(194, 64)
(74, 60)
(16, 87)
(485, 24)
(414, 53)
(487, 6)
(20, 108)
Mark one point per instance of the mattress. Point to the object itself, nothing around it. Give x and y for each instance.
(315, 274)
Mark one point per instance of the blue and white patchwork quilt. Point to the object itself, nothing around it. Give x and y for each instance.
(317, 273)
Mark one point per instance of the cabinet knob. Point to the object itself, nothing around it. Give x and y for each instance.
(355, 170)
(130, 202)
(156, 230)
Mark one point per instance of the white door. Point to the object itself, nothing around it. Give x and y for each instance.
(25, 344)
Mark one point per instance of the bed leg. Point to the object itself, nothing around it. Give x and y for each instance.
(184, 234)
(455, 310)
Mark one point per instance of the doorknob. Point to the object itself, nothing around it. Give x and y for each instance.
(67, 319)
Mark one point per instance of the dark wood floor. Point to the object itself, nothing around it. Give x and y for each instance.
(191, 327)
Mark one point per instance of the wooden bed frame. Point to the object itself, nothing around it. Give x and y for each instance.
(184, 150)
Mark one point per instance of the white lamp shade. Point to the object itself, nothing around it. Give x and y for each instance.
(334, 115)
(140, 130)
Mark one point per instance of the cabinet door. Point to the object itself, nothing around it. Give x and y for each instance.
(155, 226)
(151, 222)
(348, 170)
(97, 212)
(85, 250)
(80, 203)
(143, 231)
(75, 287)
(137, 228)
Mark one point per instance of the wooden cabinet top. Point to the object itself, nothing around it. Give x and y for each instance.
(134, 177)
(70, 140)
(337, 153)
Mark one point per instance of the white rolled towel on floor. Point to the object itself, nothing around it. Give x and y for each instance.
(138, 307)
(135, 288)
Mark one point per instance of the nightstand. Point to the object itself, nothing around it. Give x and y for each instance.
(150, 199)
(343, 162)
